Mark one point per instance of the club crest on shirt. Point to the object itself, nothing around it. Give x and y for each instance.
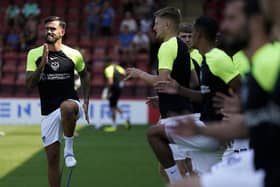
(55, 65)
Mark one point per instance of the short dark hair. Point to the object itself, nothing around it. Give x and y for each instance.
(170, 13)
(62, 23)
(209, 27)
(185, 27)
(252, 8)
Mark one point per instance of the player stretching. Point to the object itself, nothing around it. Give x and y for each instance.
(51, 68)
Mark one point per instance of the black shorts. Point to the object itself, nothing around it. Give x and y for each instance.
(115, 94)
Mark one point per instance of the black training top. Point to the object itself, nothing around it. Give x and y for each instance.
(173, 55)
(57, 79)
(257, 88)
(217, 70)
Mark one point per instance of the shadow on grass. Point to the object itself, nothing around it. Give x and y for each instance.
(120, 159)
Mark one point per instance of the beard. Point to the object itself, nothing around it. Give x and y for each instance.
(232, 44)
(51, 39)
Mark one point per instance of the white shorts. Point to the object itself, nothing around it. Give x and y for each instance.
(196, 143)
(204, 151)
(202, 162)
(237, 172)
(179, 152)
(51, 129)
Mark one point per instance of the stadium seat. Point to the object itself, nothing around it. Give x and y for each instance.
(100, 43)
(4, 3)
(60, 3)
(10, 55)
(46, 4)
(97, 85)
(73, 14)
(112, 42)
(98, 54)
(8, 79)
(97, 69)
(21, 67)
(97, 81)
(20, 88)
(19, 2)
(74, 4)
(9, 67)
(73, 42)
(46, 12)
(85, 43)
(114, 56)
(129, 88)
(141, 88)
(22, 57)
(20, 81)
(60, 11)
(72, 32)
(2, 17)
(143, 57)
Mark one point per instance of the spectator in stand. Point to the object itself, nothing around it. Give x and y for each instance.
(145, 24)
(107, 18)
(12, 13)
(142, 8)
(130, 22)
(92, 4)
(93, 18)
(12, 39)
(125, 45)
(30, 34)
(141, 42)
(125, 39)
(31, 8)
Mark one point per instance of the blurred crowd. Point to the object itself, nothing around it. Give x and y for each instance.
(20, 29)
(124, 25)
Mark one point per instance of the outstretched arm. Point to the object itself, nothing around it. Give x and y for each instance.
(233, 128)
(172, 87)
(134, 73)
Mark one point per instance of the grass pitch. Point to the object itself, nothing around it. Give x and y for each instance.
(120, 159)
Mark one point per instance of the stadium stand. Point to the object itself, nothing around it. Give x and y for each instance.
(13, 60)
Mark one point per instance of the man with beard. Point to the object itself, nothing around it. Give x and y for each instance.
(51, 68)
(261, 166)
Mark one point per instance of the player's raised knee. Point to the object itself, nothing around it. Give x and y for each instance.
(69, 107)
(155, 130)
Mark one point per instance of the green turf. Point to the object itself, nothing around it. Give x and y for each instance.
(121, 159)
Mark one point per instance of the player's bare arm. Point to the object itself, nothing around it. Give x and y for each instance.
(228, 130)
(194, 82)
(172, 87)
(110, 81)
(85, 80)
(33, 77)
(227, 104)
(134, 73)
